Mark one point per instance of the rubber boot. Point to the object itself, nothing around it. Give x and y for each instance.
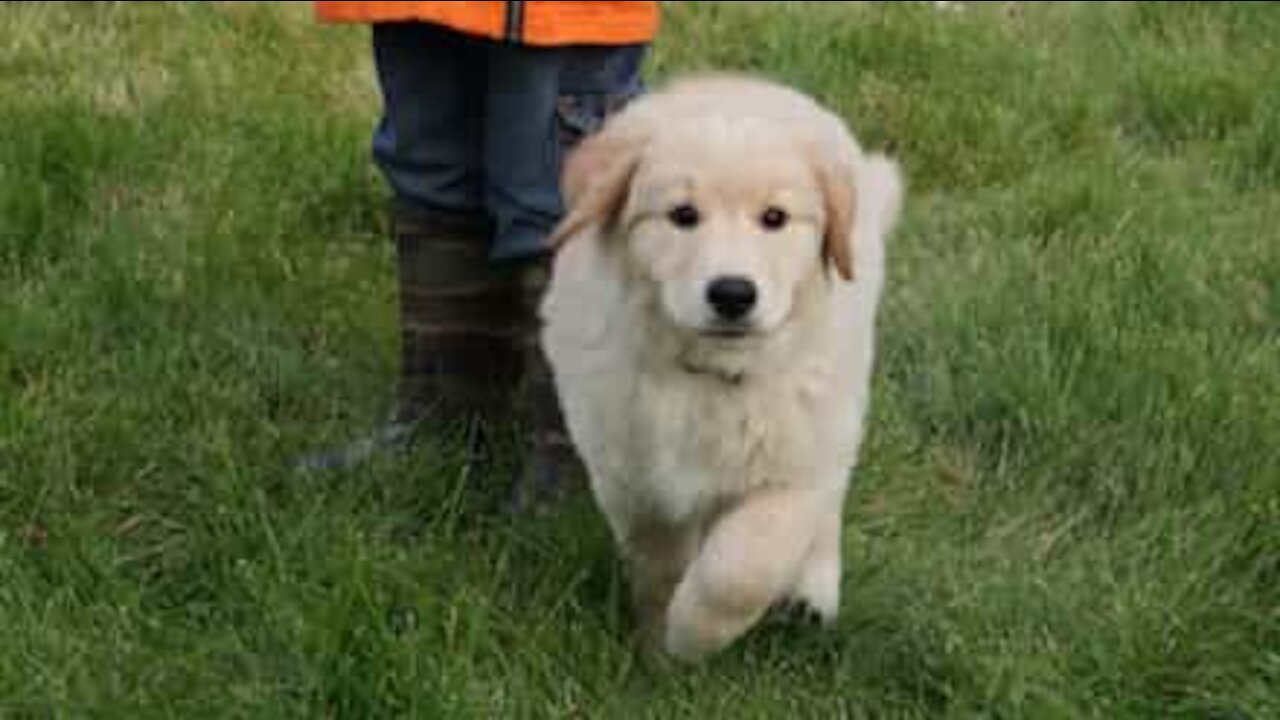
(461, 330)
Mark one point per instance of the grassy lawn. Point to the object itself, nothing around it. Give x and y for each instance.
(1069, 504)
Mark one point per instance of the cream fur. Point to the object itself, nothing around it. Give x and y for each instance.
(721, 465)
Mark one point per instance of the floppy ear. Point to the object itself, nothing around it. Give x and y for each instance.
(595, 181)
(839, 199)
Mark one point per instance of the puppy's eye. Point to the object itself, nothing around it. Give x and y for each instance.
(774, 218)
(684, 216)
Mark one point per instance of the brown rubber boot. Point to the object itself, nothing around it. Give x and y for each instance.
(460, 324)
(461, 330)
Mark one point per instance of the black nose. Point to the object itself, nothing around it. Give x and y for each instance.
(732, 297)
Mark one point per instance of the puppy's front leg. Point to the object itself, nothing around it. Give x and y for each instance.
(750, 560)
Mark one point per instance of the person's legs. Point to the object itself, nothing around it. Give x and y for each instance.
(471, 143)
(458, 357)
(429, 148)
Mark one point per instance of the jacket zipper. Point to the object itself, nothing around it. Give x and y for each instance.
(515, 21)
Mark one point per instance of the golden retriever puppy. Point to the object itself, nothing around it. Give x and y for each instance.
(710, 326)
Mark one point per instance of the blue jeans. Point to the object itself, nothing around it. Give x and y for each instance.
(476, 127)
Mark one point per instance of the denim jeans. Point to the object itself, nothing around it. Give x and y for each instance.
(472, 126)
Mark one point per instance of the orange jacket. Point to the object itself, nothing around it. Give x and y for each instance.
(540, 22)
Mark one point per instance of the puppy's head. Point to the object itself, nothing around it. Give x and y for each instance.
(731, 198)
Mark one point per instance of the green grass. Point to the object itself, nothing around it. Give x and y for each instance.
(1069, 504)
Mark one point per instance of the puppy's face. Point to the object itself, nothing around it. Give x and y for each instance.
(727, 206)
(725, 219)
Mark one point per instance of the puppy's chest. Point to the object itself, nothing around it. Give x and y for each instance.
(700, 442)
